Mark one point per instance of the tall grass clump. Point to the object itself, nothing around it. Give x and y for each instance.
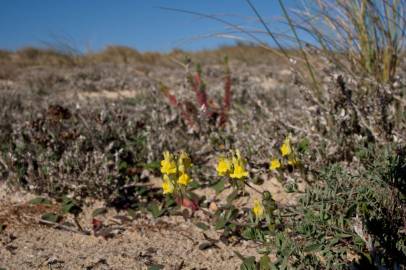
(363, 37)
(348, 55)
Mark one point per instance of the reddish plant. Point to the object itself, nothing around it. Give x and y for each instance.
(217, 114)
(185, 108)
(227, 94)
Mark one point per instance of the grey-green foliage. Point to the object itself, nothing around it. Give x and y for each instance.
(352, 217)
(88, 152)
(371, 195)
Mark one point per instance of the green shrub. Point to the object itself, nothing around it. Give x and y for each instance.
(349, 217)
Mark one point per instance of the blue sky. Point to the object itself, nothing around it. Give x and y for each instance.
(94, 24)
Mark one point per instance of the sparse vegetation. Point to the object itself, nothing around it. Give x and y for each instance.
(220, 145)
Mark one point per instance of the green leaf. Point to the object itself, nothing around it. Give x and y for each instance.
(220, 224)
(99, 211)
(231, 227)
(69, 206)
(249, 263)
(154, 209)
(231, 214)
(219, 186)
(232, 196)
(202, 226)
(334, 241)
(169, 201)
(239, 255)
(253, 234)
(259, 235)
(264, 250)
(290, 187)
(312, 247)
(285, 262)
(248, 234)
(351, 210)
(265, 263)
(132, 213)
(40, 201)
(303, 145)
(367, 256)
(52, 217)
(343, 235)
(194, 185)
(154, 165)
(155, 267)
(122, 166)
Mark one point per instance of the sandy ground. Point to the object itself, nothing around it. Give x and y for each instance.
(171, 242)
(168, 241)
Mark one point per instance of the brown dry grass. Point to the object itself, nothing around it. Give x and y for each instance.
(31, 56)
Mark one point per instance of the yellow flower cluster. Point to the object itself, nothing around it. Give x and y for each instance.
(175, 172)
(275, 164)
(234, 167)
(287, 153)
(286, 148)
(258, 209)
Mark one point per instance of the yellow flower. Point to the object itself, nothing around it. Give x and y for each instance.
(167, 185)
(238, 154)
(184, 162)
(223, 166)
(184, 179)
(275, 164)
(168, 165)
(286, 149)
(293, 161)
(238, 166)
(239, 170)
(258, 209)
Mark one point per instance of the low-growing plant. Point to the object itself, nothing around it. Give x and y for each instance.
(289, 159)
(59, 153)
(176, 178)
(232, 167)
(347, 219)
(214, 114)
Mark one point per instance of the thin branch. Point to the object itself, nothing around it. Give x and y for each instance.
(56, 225)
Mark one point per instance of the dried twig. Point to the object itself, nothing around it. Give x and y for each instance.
(56, 225)
(2, 162)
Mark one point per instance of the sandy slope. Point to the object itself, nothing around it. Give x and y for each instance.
(172, 242)
(168, 241)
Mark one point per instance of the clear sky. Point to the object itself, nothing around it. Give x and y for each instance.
(94, 24)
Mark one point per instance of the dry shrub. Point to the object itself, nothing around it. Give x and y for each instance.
(114, 54)
(33, 56)
(349, 69)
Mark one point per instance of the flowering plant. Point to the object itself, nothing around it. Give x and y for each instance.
(289, 158)
(232, 167)
(175, 173)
